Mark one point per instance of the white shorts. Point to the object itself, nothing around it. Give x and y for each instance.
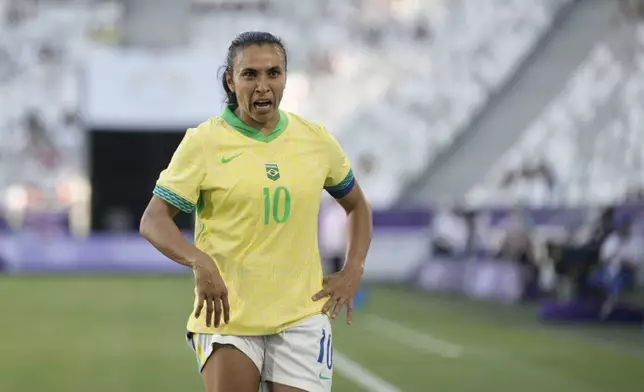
(301, 356)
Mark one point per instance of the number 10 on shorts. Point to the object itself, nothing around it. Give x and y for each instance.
(326, 350)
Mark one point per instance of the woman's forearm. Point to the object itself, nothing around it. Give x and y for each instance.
(162, 232)
(359, 229)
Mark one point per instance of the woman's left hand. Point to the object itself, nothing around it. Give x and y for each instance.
(341, 287)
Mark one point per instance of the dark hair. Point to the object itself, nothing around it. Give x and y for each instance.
(242, 41)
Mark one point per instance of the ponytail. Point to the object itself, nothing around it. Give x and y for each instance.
(231, 97)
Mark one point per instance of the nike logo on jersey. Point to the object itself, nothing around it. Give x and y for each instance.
(324, 377)
(225, 160)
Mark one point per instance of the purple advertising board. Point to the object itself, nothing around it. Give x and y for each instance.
(400, 248)
(36, 254)
(35, 251)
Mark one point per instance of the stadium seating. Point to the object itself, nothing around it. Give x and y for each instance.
(595, 159)
(390, 91)
(436, 87)
(397, 83)
(44, 45)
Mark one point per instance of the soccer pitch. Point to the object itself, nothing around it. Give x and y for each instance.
(124, 334)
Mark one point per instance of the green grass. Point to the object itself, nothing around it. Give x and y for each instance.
(124, 334)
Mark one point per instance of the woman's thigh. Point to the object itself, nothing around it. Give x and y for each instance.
(229, 369)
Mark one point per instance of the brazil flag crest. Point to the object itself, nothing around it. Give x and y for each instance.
(272, 171)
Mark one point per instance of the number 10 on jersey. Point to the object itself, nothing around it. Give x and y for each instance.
(274, 207)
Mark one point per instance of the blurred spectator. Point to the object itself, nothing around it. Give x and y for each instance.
(373, 36)
(620, 255)
(518, 246)
(451, 233)
(48, 54)
(531, 182)
(473, 243)
(41, 145)
(517, 243)
(19, 11)
(602, 228)
(634, 194)
(422, 31)
(71, 118)
(575, 259)
(480, 239)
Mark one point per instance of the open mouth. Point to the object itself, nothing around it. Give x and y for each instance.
(262, 103)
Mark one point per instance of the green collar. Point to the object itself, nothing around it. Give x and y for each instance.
(253, 133)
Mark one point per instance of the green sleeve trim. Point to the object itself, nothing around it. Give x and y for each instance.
(174, 199)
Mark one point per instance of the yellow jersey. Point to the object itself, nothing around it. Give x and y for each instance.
(257, 199)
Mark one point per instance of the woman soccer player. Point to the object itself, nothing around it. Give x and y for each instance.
(255, 175)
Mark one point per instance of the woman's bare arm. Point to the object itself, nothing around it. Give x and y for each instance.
(158, 227)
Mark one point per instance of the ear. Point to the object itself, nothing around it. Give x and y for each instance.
(229, 81)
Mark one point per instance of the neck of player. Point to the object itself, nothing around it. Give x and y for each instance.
(266, 127)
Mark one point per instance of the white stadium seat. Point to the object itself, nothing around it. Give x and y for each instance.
(592, 163)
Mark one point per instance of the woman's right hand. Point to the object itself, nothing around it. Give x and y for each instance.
(211, 290)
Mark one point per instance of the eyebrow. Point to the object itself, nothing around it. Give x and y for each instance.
(273, 68)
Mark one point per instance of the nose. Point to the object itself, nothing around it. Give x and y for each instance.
(262, 85)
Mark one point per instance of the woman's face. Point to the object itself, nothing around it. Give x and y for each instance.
(258, 79)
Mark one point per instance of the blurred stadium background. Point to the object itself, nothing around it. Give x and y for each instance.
(500, 143)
